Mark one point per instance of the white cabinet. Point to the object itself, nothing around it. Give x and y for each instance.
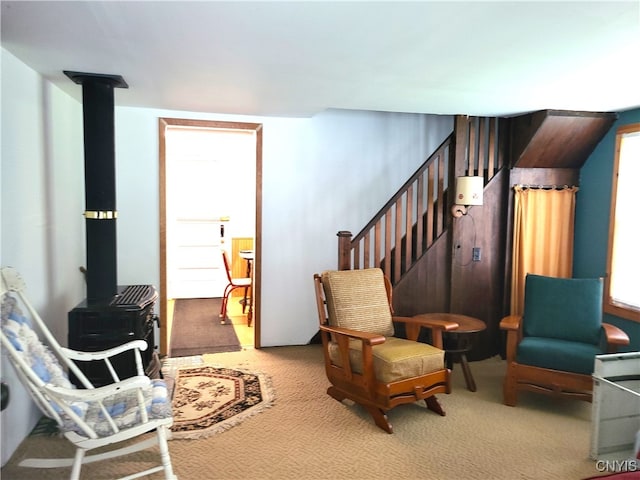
(615, 419)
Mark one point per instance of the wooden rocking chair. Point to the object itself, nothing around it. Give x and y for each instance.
(364, 362)
(88, 417)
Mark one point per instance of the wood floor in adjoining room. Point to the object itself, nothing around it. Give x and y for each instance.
(239, 321)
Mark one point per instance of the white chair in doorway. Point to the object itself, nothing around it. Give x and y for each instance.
(89, 417)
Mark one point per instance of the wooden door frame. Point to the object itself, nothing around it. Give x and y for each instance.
(257, 264)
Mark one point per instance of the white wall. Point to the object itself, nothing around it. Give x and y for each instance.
(41, 206)
(320, 175)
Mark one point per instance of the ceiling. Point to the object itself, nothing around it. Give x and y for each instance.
(299, 58)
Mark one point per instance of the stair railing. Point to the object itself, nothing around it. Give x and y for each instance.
(408, 223)
(418, 214)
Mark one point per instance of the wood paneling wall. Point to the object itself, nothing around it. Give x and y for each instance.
(446, 279)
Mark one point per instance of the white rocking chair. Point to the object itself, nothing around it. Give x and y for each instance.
(89, 417)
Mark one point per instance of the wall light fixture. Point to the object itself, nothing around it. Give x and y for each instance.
(468, 192)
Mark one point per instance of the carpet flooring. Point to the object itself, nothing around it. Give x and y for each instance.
(197, 329)
(307, 435)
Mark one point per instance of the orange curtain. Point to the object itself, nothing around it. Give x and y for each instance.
(542, 237)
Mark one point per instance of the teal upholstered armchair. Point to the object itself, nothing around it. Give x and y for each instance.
(551, 348)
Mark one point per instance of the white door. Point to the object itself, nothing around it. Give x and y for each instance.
(198, 270)
(194, 209)
(194, 260)
(201, 189)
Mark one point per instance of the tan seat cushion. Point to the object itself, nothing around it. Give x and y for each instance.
(395, 359)
(357, 299)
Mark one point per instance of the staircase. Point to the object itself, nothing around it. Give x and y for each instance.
(427, 253)
(411, 222)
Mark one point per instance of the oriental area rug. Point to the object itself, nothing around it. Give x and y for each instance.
(208, 399)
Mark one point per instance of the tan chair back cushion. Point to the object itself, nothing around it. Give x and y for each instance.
(357, 299)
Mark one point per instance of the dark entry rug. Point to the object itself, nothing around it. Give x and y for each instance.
(197, 329)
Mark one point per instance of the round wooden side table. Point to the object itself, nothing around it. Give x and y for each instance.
(459, 341)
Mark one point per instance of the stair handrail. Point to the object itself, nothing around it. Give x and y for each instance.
(473, 148)
(412, 191)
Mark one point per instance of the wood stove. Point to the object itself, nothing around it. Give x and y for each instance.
(110, 315)
(129, 316)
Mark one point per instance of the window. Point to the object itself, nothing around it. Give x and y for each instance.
(622, 294)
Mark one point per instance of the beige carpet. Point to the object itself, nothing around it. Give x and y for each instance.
(308, 435)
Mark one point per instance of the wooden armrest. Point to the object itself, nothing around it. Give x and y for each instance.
(615, 335)
(102, 354)
(425, 322)
(342, 336)
(73, 356)
(511, 322)
(98, 393)
(370, 338)
(414, 324)
(513, 325)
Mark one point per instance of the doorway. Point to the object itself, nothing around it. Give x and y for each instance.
(204, 214)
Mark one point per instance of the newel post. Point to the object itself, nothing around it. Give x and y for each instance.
(344, 250)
